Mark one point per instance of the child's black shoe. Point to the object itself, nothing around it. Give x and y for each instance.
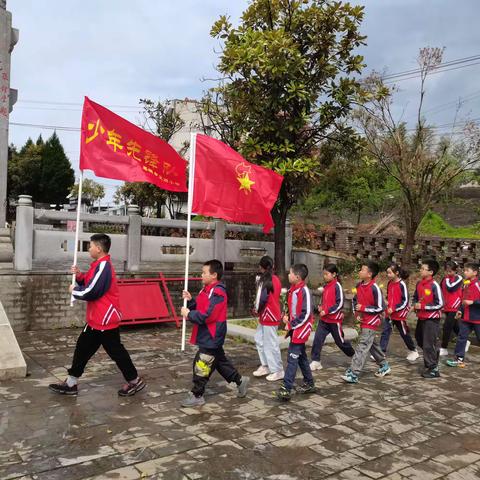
(283, 394)
(63, 388)
(132, 388)
(306, 388)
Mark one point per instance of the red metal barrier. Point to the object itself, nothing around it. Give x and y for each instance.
(148, 300)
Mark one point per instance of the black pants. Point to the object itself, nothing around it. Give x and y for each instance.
(321, 333)
(90, 341)
(206, 361)
(426, 335)
(449, 325)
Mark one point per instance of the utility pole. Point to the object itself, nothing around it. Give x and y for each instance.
(8, 97)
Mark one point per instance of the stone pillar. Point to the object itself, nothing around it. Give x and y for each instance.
(24, 234)
(8, 39)
(134, 242)
(219, 241)
(288, 244)
(343, 231)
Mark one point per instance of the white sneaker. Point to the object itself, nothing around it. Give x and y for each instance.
(443, 352)
(261, 371)
(273, 377)
(372, 358)
(315, 366)
(412, 356)
(468, 345)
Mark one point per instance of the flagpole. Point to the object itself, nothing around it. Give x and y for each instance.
(191, 175)
(77, 229)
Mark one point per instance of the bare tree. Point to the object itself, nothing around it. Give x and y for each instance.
(424, 163)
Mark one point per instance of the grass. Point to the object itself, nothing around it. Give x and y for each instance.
(434, 225)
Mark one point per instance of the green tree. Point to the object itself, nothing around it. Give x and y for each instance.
(352, 185)
(57, 174)
(424, 165)
(143, 194)
(91, 191)
(286, 87)
(42, 170)
(25, 171)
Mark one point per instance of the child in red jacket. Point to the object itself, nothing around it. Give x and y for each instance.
(331, 317)
(368, 306)
(398, 306)
(428, 303)
(208, 314)
(452, 286)
(469, 314)
(98, 287)
(299, 325)
(267, 308)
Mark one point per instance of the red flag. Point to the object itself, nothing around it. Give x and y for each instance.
(227, 186)
(115, 148)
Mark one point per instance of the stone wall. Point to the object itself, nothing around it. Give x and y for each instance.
(39, 301)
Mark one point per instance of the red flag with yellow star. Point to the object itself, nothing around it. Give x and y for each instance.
(112, 147)
(227, 186)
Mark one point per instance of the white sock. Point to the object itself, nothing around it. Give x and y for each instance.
(71, 381)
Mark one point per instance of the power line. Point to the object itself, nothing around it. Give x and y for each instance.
(444, 66)
(47, 127)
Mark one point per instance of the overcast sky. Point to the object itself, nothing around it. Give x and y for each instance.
(117, 51)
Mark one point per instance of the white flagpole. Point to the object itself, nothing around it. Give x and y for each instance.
(191, 175)
(77, 228)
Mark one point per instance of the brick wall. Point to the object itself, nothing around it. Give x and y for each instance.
(39, 301)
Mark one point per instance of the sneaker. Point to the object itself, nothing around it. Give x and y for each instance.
(372, 358)
(274, 377)
(350, 377)
(243, 387)
(455, 362)
(383, 370)
(193, 401)
(63, 388)
(443, 352)
(467, 347)
(431, 373)
(413, 355)
(131, 388)
(283, 394)
(306, 388)
(261, 371)
(315, 366)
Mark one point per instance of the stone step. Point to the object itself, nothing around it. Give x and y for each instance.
(5, 239)
(5, 232)
(6, 252)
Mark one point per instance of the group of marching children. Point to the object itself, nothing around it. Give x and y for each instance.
(457, 296)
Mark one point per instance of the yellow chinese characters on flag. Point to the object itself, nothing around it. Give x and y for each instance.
(112, 147)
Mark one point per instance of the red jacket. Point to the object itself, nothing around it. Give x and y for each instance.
(208, 313)
(397, 299)
(429, 294)
(268, 304)
(301, 314)
(370, 297)
(452, 292)
(332, 302)
(98, 287)
(471, 291)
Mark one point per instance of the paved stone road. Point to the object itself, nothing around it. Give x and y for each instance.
(399, 427)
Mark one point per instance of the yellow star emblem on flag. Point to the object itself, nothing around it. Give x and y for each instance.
(245, 182)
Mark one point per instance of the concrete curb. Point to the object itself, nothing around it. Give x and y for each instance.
(12, 363)
(248, 334)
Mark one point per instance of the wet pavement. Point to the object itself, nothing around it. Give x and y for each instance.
(397, 427)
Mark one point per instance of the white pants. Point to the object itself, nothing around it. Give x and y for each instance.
(268, 347)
